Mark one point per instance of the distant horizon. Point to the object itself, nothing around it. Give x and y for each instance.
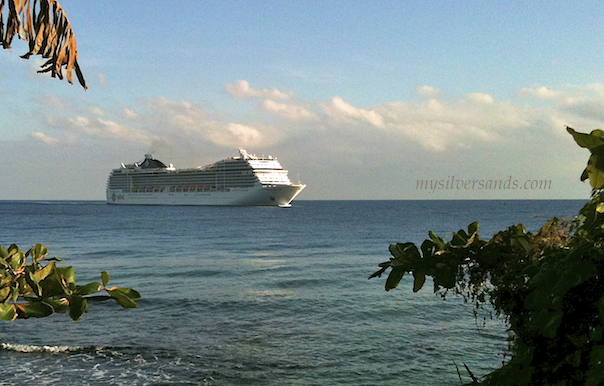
(104, 201)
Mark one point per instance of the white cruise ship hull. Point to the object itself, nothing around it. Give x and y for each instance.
(257, 195)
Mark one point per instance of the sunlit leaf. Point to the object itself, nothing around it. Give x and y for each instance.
(589, 141)
(122, 298)
(105, 278)
(437, 240)
(39, 251)
(132, 294)
(16, 260)
(33, 290)
(68, 274)
(7, 312)
(473, 228)
(44, 272)
(88, 289)
(4, 292)
(595, 165)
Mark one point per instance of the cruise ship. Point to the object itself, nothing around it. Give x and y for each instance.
(241, 180)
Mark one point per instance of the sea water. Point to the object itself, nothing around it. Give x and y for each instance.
(254, 295)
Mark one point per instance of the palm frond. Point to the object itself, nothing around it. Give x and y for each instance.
(45, 27)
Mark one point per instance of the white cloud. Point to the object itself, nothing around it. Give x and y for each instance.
(51, 102)
(427, 91)
(582, 102)
(242, 90)
(438, 125)
(539, 93)
(235, 135)
(480, 98)
(184, 115)
(290, 111)
(185, 118)
(129, 114)
(342, 146)
(434, 124)
(38, 136)
(340, 110)
(95, 127)
(102, 78)
(97, 111)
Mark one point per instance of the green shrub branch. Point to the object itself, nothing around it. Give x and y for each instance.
(548, 285)
(33, 286)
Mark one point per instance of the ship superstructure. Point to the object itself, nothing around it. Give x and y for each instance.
(242, 180)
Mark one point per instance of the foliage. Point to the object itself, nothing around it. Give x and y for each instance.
(549, 285)
(40, 288)
(47, 30)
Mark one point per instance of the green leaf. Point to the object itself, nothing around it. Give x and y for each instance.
(130, 292)
(34, 310)
(595, 165)
(595, 170)
(522, 242)
(39, 251)
(405, 253)
(122, 298)
(3, 252)
(68, 274)
(77, 307)
(459, 239)
(419, 280)
(52, 286)
(7, 312)
(58, 304)
(4, 292)
(14, 294)
(98, 298)
(394, 278)
(445, 277)
(473, 228)
(44, 272)
(16, 260)
(437, 240)
(105, 278)
(428, 249)
(589, 141)
(88, 289)
(32, 282)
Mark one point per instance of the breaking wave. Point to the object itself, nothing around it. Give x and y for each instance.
(25, 348)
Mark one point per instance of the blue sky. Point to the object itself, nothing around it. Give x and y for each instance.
(358, 99)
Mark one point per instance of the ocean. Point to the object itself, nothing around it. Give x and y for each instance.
(255, 295)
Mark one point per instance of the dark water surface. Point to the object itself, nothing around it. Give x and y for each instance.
(253, 296)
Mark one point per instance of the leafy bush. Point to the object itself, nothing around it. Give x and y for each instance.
(40, 288)
(549, 285)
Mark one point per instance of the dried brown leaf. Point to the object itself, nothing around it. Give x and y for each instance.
(47, 30)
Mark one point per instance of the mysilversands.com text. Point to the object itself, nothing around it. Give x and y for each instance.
(452, 183)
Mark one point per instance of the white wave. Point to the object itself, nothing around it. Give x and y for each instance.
(25, 348)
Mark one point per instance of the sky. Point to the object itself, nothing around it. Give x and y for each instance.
(357, 99)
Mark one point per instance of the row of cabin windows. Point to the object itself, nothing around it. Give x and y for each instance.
(177, 189)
